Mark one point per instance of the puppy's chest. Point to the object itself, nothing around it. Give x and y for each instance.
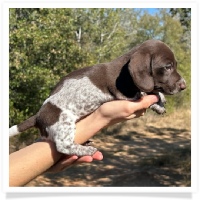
(79, 96)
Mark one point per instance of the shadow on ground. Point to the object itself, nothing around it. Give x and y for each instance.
(134, 155)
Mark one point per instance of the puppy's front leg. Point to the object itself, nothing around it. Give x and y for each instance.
(159, 106)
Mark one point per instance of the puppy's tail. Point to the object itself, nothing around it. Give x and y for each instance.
(16, 129)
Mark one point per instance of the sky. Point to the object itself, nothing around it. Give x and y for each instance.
(151, 11)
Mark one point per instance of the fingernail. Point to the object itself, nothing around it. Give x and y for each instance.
(74, 157)
(155, 98)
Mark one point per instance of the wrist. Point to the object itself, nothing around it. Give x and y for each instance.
(89, 126)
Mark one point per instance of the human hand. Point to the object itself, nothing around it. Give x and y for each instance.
(121, 110)
(111, 113)
(69, 161)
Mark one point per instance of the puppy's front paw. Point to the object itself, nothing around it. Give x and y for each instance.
(158, 109)
(162, 98)
(159, 106)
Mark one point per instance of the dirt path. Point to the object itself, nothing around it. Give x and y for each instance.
(150, 151)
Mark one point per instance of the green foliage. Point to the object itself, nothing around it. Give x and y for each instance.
(46, 44)
(183, 15)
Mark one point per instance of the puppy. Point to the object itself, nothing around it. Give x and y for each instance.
(147, 68)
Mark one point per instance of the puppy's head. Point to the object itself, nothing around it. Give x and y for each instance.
(153, 67)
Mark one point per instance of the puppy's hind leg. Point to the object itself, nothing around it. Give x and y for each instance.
(64, 132)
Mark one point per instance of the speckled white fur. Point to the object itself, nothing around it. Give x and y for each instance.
(77, 98)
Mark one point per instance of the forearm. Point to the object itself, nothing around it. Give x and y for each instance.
(31, 161)
(35, 159)
(89, 126)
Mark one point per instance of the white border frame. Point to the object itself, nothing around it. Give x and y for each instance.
(99, 4)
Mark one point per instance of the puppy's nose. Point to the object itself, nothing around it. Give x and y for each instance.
(182, 84)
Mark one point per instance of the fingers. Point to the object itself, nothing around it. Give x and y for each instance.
(68, 161)
(134, 109)
(137, 114)
(116, 111)
(146, 101)
(143, 103)
(97, 156)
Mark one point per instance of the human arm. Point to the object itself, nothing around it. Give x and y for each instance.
(37, 158)
(111, 113)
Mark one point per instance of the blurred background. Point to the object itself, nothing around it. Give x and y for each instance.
(47, 44)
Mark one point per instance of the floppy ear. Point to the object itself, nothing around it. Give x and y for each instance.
(140, 70)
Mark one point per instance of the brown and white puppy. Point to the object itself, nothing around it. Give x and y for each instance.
(148, 68)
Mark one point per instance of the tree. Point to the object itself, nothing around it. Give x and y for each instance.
(98, 32)
(38, 46)
(183, 15)
(46, 44)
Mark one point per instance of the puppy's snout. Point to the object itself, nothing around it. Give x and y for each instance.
(182, 84)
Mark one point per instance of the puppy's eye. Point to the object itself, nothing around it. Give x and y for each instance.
(168, 67)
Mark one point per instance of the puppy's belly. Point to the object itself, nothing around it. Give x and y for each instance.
(79, 96)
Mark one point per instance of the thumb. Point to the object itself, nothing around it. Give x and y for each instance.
(145, 102)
